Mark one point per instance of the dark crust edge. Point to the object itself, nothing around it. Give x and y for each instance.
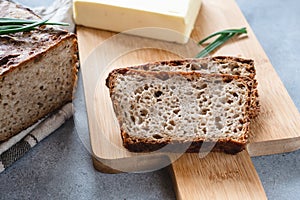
(29, 59)
(143, 145)
(229, 147)
(57, 42)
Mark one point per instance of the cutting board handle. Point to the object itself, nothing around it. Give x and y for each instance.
(216, 176)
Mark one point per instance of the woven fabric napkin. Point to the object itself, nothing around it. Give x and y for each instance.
(14, 148)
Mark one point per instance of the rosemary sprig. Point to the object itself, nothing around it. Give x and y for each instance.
(224, 36)
(12, 25)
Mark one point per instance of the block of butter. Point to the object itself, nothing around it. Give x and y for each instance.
(170, 20)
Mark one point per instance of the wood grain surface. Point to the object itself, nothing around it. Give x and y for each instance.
(216, 176)
(275, 130)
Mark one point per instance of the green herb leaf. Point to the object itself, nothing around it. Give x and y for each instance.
(15, 21)
(9, 21)
(5, 27)
(225, 35)
(13, 25)
(23, 28)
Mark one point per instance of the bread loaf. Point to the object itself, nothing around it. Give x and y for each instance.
(37, 72)
(243, 68)
(158, 108)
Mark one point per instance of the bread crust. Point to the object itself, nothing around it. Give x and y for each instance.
(227, 145)
(23, 51)
(19, 48)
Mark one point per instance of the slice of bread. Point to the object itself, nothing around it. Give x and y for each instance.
(243, 68)
(37, 72)
(159, 108)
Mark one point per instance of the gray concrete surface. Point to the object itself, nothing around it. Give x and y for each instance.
(60, 167)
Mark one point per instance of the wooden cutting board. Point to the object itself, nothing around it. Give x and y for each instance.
(275, 130)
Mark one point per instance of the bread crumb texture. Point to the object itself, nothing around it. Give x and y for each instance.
(173, 106)
(38, 72)
(215, 65)
(31, 91)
